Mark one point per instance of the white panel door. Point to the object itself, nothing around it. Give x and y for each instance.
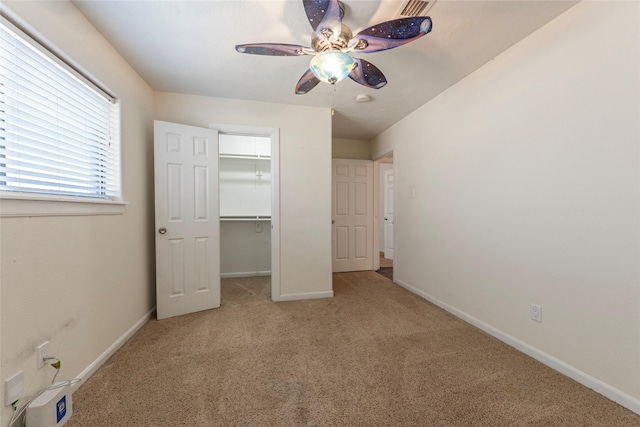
(352, 208)
(187, 219)
(388, 213)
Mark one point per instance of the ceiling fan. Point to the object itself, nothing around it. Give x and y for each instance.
(333, 42)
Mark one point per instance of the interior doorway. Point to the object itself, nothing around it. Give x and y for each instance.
(384, 241)
(245, 215)
(249, 210)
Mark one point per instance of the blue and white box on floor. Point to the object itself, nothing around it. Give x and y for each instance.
(52, 408)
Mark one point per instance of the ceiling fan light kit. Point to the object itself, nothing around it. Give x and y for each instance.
(332, 66)
(333, 44)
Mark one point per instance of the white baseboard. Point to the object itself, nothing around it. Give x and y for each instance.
(583, 378)
(303, 296)
(93, 367)
(245, 274)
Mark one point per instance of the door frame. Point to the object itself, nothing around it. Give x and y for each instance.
(377, 203)
(388, 214)
(274, 135)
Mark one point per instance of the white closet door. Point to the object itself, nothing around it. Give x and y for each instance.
(352, 208)
(187, 219)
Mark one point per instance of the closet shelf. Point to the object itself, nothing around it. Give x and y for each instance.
(245, 218)
(244, 156)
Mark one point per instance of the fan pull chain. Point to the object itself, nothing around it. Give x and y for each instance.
(333, 96)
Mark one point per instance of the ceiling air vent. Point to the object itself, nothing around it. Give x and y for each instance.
(416, 8)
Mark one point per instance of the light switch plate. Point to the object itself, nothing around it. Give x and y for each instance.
(13, 388)
(536, 312)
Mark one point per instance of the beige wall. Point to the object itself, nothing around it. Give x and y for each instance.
(351, 149)
(245, 251)
(527, 191)
(305, 178)
(80, 282)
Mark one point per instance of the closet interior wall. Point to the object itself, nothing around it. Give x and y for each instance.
(245, 206)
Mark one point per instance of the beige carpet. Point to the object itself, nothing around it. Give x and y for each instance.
(374, 355)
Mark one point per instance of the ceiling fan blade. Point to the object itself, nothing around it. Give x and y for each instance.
(367, 74)
(307, 82)
(273, 49)
(390, 34)
(324, 14)
(315, 9)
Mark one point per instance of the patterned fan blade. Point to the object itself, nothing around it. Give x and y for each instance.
(315, 9)
(324, 14)
(274, 49)
(307, 82)
(390, 34)
(367, 74)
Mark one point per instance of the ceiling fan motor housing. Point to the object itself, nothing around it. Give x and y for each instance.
(325, 39)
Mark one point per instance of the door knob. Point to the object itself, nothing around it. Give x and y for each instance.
(162, 230)
(333, 221)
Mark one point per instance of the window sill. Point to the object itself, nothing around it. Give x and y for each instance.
(28, 206)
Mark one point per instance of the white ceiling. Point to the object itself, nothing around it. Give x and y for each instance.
(189, 47)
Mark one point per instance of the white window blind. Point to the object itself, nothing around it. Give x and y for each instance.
(57, 132)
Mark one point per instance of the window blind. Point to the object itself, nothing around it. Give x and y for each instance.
(57, 133)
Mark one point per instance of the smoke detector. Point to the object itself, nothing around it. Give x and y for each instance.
(363, 98)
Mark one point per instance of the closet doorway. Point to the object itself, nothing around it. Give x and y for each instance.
(249, 220)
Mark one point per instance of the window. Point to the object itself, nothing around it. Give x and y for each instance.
(58, 131)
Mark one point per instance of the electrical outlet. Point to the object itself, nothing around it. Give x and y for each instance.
(536, 312)
(41, 354)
